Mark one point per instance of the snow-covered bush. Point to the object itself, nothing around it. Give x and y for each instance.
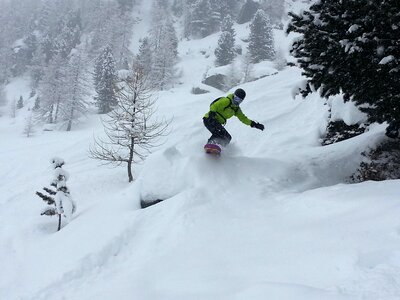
(381, 163)
(58, 198)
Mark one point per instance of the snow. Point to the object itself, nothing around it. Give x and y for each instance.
(353, 28)
(387, 59)
(346, 111)
(269, 219)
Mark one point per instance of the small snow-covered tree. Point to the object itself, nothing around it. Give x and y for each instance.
(58, 197)
(20, 103)
(224, 52)
(130, 128)
(261, 41)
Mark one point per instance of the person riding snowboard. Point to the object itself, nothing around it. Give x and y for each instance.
(220, 111)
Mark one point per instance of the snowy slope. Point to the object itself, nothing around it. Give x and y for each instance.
(270, 219)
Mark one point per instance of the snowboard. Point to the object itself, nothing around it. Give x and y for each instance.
(212, 149)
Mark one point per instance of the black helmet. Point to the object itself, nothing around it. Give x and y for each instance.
(240, 93)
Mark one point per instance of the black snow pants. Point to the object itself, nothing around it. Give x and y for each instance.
(219, 134)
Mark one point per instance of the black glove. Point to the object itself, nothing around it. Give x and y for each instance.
(212, 114)
(257, 125)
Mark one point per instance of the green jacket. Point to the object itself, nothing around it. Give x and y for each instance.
(225, 109)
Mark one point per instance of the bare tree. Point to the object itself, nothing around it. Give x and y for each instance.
(131, 131)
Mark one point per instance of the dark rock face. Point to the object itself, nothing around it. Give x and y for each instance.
(248, 11)
(217, 81)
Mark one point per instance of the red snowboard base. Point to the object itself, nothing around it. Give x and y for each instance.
(212, 149)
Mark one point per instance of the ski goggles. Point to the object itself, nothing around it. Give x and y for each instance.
(237, 100)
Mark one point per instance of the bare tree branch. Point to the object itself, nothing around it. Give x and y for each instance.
(131, 129)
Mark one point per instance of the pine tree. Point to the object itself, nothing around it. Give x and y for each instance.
(20, 103)
(36, 106)
(145, 56)
(351, 47)
(225, 51)
(105, 80)
(58, 197)
(261, 42)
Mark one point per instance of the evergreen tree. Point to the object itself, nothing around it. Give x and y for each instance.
(145, 56)
(351, 47)
(105, 81)
(261, 41)
(36, 106)
(20, 103)
(58, 197)
(227, 25)
(225, 51)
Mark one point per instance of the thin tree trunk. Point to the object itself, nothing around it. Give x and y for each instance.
(57, 108)
(130, 176)
(71, 117)
(59, 222)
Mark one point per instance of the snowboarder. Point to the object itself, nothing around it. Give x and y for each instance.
(222, 109)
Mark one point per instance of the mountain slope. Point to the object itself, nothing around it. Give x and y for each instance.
(269, 219)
